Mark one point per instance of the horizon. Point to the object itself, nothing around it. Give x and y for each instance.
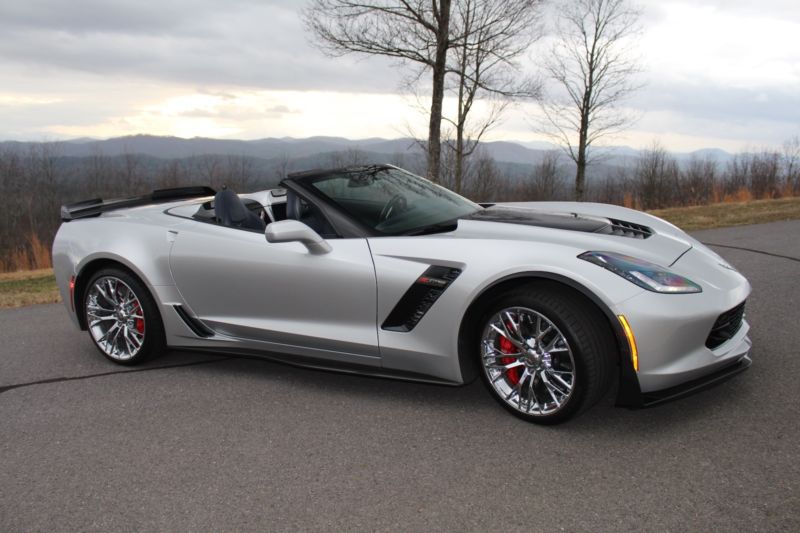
(536, 145)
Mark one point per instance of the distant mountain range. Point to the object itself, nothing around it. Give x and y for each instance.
(311, 149)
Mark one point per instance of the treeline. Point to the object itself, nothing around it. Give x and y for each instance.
(36, 181)
(654, 179)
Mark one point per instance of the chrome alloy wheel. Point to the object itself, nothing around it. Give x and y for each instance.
(115, 318)
(528, 361)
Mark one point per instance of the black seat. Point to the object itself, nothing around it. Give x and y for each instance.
(231, 211)
(298, 209)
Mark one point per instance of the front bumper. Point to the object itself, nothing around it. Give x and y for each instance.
(690, 387)
(676, 356)
(734, 360)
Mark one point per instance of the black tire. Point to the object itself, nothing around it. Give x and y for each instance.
(124, 350)
(587, 364)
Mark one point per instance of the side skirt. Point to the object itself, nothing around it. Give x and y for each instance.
(327, 366)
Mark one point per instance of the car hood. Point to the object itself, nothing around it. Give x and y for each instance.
(583, 226)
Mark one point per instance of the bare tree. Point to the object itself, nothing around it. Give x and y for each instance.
(546, 182)
(657, 176)
(698, 178)
(791, 165)
(488, 37)
(765, 174)
(282, 166)
(415, 31)
(482, 178)
(593, 71)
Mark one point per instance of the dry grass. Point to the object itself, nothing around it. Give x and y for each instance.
(731, 213)
(34, 256)
(28, 287)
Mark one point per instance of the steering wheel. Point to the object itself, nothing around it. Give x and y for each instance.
(395, 204)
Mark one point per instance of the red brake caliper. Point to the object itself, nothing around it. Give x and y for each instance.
(513, 374)
(139, 321)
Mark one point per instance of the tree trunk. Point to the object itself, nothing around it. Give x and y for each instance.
(460, 122)
(437, 97)
(583, 136)
(580, 178)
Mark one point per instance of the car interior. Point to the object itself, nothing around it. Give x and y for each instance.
(229, 209)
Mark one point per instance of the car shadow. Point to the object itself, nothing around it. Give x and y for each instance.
(603, 418)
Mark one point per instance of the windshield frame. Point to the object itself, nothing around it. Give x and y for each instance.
(307, 180)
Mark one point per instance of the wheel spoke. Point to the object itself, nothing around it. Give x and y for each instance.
(94, 306)
(112, 339)
(551, 389)
(567, 386)
(539, 331)
(498, 377)
(101, 291)
(533, 395)
(520, 385)
(99, 319)
(551, 346)
(108, 332)
(514, 326)
(128, 343)
(504, 333)
(509, 366)
(112, 291)
(497, 353)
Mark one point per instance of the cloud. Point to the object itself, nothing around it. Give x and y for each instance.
(242, 43)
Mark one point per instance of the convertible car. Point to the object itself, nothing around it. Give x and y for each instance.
(374, 270)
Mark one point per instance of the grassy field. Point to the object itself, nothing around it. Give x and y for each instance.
(28, 287)
(39, 286)
(731, 214)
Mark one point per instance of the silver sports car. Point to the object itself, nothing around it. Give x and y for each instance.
(374, 270)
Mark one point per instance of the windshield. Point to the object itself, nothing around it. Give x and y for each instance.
(392, 201)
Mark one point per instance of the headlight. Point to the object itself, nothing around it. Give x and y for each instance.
(646, 275)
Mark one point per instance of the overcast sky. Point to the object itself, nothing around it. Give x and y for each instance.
(718, 73)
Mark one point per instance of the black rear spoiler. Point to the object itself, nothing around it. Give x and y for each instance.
(93, 208)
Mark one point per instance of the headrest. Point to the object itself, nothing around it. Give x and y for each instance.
(229, 208)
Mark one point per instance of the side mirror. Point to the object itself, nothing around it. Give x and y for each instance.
(292, 231)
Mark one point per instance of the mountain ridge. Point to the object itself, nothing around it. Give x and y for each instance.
(172, 147)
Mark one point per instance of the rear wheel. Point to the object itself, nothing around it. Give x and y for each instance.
(545, 352)
(122, 317)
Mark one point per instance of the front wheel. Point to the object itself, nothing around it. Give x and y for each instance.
(122, 317)
(545, 353)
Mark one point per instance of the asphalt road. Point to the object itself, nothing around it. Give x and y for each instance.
(196, 442)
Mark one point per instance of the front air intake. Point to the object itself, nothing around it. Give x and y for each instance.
(726, 326)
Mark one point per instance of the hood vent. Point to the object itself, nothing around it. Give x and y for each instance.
(622, 228)
(567, 221)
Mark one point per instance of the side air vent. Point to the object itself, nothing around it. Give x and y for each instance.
(197, 327)
(419, 298)
(622, 228)
(726, 326)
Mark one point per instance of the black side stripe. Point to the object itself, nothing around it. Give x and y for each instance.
(419, 298)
